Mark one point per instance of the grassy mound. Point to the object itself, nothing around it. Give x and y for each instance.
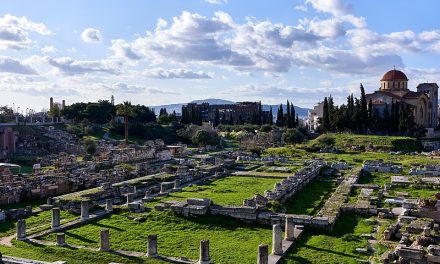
(348, 142)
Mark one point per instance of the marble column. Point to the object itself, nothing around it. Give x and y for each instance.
(289, 233)
(263, 254)
(152, 246)
(21, 229)
(84, 209)
(55, 218)
(204, 252)
(109, 205)
(277, 242)
(105, 240)
(61, 239)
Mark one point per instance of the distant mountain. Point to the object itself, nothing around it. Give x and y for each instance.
(302, 112)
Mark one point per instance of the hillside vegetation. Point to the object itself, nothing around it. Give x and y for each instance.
(348, 142)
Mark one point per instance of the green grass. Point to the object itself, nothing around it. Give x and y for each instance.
(416, 193)
(35, 223)
(337, 247)
(225, 191)
(310, 198)
(230, 241)
(71, 255)
(345, 141)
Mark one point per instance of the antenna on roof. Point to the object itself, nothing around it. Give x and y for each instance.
(394, 66)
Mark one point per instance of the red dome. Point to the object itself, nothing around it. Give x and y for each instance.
(394, 75)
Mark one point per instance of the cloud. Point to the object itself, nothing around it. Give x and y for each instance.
(69, 66)
(334, 7)
(159, 73)
(217, 2)
(48, 49)
(11, 65)
(123, 50)
(91, 35)
(14, 32)
(124, 88)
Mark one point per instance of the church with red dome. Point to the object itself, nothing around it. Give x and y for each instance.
(423, 102)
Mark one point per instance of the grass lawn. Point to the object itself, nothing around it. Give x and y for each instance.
(337, 247)
(310, 198)
(35, 223)
(416, 193)
(71, 255)
(226, 191)
(230, 241)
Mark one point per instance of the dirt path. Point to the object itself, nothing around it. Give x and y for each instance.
(7, 241)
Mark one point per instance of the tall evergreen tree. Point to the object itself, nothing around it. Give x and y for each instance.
(288, 117)
(325, 124)
(294, 117)
(280, 117)
(270, 116)
(364, 110)
(216, 118)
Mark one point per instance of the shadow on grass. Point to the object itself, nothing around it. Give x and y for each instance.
(81, 238)
(108, 226)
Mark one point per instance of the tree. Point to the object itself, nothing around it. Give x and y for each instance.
(288, 117)
(270, 116)
(125, 110)
(364, 110)
(280, 117)
(90, 146)
(203, 138)
(294, 118)
(292, 136)
(325, 123)
(216, 118)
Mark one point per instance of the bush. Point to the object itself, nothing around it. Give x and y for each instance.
(265, 128)
(326, 140)
(292, 136)
(90, 146)
(203, 138)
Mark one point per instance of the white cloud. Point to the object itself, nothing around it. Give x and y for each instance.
(124, 88)
(69, 66)
(159, 73)
(123, 50)
(48, 49)
(91, 35)
(14, 32)
(11, 65)
(335, 7)
(217, 2)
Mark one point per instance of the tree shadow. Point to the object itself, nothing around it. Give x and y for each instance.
(109, 227)
(80, 238)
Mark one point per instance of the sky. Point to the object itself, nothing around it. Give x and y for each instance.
(175, 51)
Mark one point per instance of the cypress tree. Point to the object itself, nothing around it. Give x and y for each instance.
(292, 114)
(326, 116)
(270, 116)
(364, 110)
(288, 117)
(280, 117)
(216, 117)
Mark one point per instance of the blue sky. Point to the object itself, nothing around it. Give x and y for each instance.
(158, 52)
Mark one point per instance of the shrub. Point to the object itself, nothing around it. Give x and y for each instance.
(292, 136)
(326, 140)
(203, 138)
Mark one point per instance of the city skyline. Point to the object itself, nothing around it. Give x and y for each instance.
(174, 51)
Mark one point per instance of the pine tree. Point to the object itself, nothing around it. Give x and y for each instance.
(216, 118)
(364, 110)
(260, 113)
(270, 116)
(280, 117)
(292, 114)
(325, 124)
